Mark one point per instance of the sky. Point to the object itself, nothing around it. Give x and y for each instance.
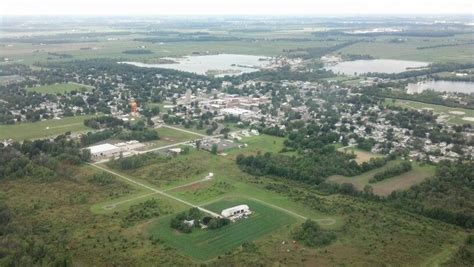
(234, 7)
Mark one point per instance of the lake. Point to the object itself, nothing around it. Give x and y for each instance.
(441, 86)
(375, 65)
(218, 65)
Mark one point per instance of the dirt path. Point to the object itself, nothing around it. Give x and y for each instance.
(155, 190)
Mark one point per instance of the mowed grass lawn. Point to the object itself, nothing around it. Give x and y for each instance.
(205, 244)
(383, 188)
(42, 129)
(59, 88)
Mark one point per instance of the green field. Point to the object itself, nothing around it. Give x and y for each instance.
(208, 244)
(382, 48)
(448, 114)
(42, 129)
(59, 88)
(383, 188)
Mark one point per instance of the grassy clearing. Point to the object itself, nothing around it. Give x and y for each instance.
(42, 129)
(385, 187)
(59, 88)
(449, 114)
(361, 155)
(169, 136)
(208, 244)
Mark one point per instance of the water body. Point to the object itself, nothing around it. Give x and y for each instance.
(441, 86)
(218, 65)
(357, 67)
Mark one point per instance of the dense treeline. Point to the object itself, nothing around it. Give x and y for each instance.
(398, 169)
(312, 167)
(447, 197)
(318, 52)
(19, 247)
(137, 51)
(311, 234)
(434, 68)
(103, 122)
(40, 159)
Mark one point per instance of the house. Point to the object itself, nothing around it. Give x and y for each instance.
(236, 212)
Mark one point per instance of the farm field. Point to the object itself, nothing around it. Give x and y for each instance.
(41, 129)
(384, 49)
(60, 88)
(383, 188)
(208, 244)
(451, 115)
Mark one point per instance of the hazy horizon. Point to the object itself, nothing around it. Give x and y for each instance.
(240, 8)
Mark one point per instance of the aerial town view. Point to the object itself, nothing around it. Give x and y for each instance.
(239, 133)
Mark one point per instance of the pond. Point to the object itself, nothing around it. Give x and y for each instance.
(441, 86)
(218, 65)
(357, 67)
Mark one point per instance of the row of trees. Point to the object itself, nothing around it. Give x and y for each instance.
(398, 169)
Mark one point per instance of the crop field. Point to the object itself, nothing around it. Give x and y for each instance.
(361, 155)
(30, 54)
(207, 244)
(41, 129)
(60, 88)
(383, 188)
(449, 114)
(407, 50)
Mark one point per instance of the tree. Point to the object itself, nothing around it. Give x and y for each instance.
(214, 149)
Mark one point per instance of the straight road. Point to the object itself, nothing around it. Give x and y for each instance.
(155, 190)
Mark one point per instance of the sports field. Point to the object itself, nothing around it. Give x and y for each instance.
(205, 244)
(41, 129)
(59, 88)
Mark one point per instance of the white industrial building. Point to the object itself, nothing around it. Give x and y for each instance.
(103, 150)
(236, 212)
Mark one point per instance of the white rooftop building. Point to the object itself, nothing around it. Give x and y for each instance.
(103, 150)
(236, 212)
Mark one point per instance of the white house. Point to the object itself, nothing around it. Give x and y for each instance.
(236, 212)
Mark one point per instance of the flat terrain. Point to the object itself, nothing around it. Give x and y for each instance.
(385, 187)
(382, 47)
(449, 114)
(207, 244)
(59, 88)
(361, 155)
(41, 129)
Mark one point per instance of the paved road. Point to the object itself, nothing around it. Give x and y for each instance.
(183, 130)
(155, 190)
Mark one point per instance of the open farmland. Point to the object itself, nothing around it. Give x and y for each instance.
(207, 244)
(408, 49)
(383, 188)
(60, 88)
(41, 129)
